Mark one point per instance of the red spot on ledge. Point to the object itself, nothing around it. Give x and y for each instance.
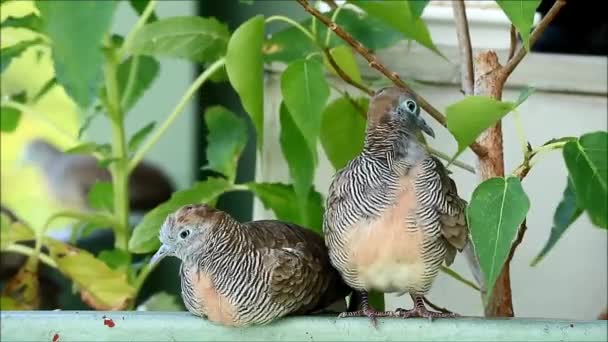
(55, 337)
(108, 322)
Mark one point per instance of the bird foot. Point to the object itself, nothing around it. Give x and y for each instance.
(423, 312)
(370, 313)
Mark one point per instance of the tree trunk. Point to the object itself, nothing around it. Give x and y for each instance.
(489, 81)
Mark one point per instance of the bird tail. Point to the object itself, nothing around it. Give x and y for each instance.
(473, 263)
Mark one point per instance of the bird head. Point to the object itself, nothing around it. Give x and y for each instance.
(39, 152)
(397, 106)
(186, 231)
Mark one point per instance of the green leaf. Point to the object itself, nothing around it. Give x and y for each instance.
(31, 22)
(305, 92)
(343, 130)
(471, 116)
(343, 56)
(521, 14)
(282, 200)
(48, 85)
(290, 43)
(9, 118)
(12, 232)
(193, 38)
(300, 161)
(85, 148)
(115, 258)
(10, 304)
(139, 136)
(8, 53)
(225, 142)
(139, 6)
(163, 301)
(399, 15)
(586, 160)
(145, 234)
(523, 95)
(104, 287)
(87, 122)
(76, 43)
(145, 73)
(417, 7)
(247, 78)
(498, 207)
(565, 214)
(101, 196)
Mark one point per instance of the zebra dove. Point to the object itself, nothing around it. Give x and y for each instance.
(70, 177)
(393, 214)
(238, 274)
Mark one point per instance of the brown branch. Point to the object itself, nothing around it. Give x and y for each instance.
(521, 53)
(464, 42)
(344, 75)
(374, 63)
(513, 43)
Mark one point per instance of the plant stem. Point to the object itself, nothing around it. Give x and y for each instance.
(460, 278)
(25, 250)
(458, 163)
(138, 25)
(292, 23)
(333, 18)
(130, 81)
(175, 113)
(464, 43)
(119, 169)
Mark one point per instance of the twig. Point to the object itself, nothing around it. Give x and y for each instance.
(374, 63)
(520, 236)
(344, 76)
(434, 306)
(464, 42)
(521, 53)
(513, 44)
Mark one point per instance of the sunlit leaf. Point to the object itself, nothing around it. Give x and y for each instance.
(115, 258)
(31, 22)
(139, 6)
(343, 56)
(521, 14)
(8, 53)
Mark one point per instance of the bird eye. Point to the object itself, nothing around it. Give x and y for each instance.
(184, 233)
(411, 106)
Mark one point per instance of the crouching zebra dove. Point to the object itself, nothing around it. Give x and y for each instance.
(393, 215)
(238, 274)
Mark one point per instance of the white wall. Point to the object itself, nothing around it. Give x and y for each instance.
(571, 281)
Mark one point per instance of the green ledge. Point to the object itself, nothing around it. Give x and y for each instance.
(63, 326)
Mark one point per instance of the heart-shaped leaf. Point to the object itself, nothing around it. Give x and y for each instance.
(521, 14)
(305, 92)
(225, 142)
(417, 7)
(497, 208)
(586, 160)
(343, 130)
(144, 74)
(566, 213)
(193, 38)
(299, 159)
(471, 116)
(76, 43)
(9, 118)
(282, 200)
(399, 15)
(248, 78)
(343, 56)
(145, 234)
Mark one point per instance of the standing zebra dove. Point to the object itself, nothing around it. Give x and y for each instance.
(393, 214)
(239, 274)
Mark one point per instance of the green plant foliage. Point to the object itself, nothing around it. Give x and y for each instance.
(193, 38)
(305, 92)
(30, 22)
(248, 78)
(139, 136)
(145, 234)
(300, 161)
(163, 301)
(7, 54)
(497, 208)
(225, 142)
(417, 7)
(282, 200)
(399, 15)
(565, 214)
(46, 87)
(12, 232)
(343, 56)
(343, 129)
(115, 258)
(139, 6)
(100, 196)
(76, 43)
(145, 73)
(469, 117)
(9, 118)
(586, 159)
(521, 14)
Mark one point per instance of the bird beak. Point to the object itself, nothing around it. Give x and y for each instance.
(425, 127)
(162, 252)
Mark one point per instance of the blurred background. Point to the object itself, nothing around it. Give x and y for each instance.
(569, 74)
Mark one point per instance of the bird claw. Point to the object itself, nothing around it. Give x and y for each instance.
(423, 312)
(370, 313)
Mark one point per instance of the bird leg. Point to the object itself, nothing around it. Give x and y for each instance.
(420, 310)
(367, 310)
